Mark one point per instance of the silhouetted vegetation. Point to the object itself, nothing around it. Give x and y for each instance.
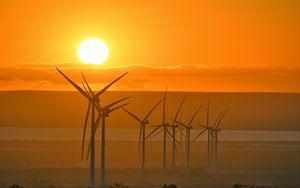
(169, 186)
(16, 186)
(118, 185)
(252, 186)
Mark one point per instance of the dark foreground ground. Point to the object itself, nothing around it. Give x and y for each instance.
(36, 164)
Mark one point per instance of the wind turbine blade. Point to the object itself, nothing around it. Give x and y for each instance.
(158, 132)
(91, 92)
(164, 107)
(99, 117)
(169, 137)
(174, 136)
(104, 89)
(207, 113)
(84, 129)
(216, 121)
(150, 112)
(97, 122)
(132, 115)
(98, 107)
(178, 110)
(198, 135)
(220, 120)
(74, 84)
(85, 89)
(168, 133)
(89, 150)
(194, 116)
(118, 107)
(114, 103)
(153, 131)
(96, 128)
(181, 124)
(204, 126)
(181, 132)
(155, 125)
(140, 136)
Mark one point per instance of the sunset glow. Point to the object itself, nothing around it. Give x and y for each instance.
(206, 45)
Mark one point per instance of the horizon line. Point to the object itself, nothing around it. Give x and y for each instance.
(169, 91)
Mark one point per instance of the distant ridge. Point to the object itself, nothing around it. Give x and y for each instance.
(248, 110)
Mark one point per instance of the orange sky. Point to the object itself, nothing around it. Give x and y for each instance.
(209, 45)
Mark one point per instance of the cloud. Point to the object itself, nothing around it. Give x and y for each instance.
(144, 77)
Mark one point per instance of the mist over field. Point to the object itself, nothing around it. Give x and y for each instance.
(58, 164)
(40, 133)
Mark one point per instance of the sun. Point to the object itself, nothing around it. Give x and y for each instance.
(93, 51)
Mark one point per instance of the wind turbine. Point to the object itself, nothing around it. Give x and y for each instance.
(207, 128)
(180, 130)
(105, 111)
(188, 128)
(165, 129)
(212, 136)
(164, 125)
(215, 140)
(174, 126)
(105, 114)
(142, 134)
(93, 104)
